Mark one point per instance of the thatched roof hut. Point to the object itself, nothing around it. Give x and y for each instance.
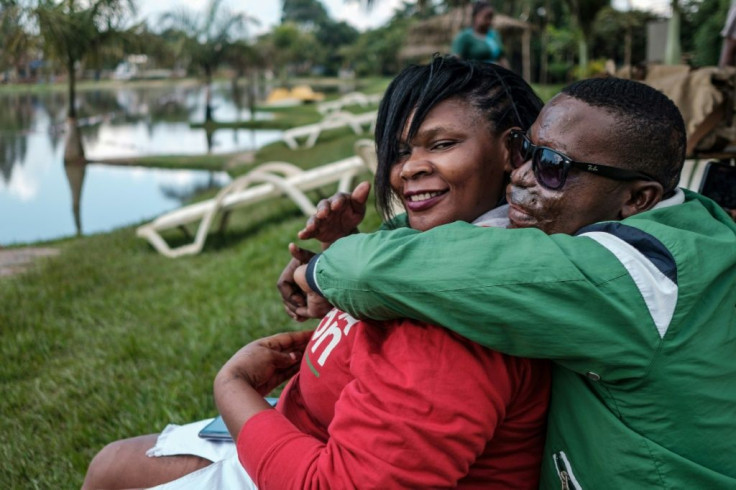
(435, 35)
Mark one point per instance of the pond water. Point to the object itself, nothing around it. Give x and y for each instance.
(37, 191)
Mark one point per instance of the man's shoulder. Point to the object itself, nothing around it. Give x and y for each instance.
(694, 215)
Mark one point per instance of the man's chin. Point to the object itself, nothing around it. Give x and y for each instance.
(523, 224)
(520, 219)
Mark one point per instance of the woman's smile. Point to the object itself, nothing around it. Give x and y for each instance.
(422, 200)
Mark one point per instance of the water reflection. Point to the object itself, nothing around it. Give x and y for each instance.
(113, 124)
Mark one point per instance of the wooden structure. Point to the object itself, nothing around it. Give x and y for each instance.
(435, 35)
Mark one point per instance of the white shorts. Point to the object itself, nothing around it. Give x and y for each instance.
(178, 440)
(225, 473)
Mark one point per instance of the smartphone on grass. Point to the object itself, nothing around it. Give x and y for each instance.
(217, 430)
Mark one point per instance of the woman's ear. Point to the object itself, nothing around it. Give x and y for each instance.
(506, 138)
(643, 196)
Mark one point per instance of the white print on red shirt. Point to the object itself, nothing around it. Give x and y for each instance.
(334, 326)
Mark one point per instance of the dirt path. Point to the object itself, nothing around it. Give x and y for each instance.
(16, 260)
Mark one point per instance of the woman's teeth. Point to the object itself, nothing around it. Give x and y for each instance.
(424, 196)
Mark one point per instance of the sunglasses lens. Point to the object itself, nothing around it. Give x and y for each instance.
(550, 169)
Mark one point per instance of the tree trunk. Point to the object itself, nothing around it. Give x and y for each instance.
(251, 93)
(75, 176)
(582, 56)
(74, 148)
(72, 111)
(672, 53)
(75, 166)
(208, 95)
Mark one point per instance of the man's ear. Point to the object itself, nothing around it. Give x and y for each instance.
(643, 195)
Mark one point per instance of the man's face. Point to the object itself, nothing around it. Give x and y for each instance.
(583, 133)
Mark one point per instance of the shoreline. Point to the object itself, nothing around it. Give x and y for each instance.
(15, 261)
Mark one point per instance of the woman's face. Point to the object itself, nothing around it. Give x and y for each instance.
(452, 169)
(483, 20)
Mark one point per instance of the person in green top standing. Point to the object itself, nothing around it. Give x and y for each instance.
(481, 41)
(624, 280)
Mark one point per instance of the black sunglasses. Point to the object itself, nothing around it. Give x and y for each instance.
(551, 167)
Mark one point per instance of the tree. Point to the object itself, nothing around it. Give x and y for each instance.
(701, 28)
(17, 42)
(208, 39)
(293, 48)
(584, 13)
(72, 31)
(609, 25)
(304, 12)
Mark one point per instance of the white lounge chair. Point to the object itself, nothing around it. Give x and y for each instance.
(334, 120)
(267, 181)
(353, 98)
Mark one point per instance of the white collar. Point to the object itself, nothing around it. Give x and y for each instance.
(495, 218)
(677, 198)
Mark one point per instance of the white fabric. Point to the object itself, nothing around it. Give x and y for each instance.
(177, 440)
(677, 198)
(495, 218)
(659, 291)
(227, 474)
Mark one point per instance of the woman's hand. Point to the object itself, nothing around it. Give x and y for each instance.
(266, 363)
(337, 216)
(253, 372)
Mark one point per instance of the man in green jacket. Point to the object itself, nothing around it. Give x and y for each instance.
(625, 281)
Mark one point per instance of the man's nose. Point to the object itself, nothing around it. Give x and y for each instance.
(415, 166)
(523, 175)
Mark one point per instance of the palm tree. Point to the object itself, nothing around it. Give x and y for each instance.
(207, 39)
(73, 31)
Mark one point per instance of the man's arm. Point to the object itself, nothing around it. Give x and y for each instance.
(518, 291)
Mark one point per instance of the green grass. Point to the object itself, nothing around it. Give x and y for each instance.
(111, 339)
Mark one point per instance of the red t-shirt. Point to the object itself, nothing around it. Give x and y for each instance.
(400, 405)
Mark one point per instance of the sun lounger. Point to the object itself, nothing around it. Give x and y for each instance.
(333, 121)
(274, 179)
(353, 98)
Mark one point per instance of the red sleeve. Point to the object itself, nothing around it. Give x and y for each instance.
(422, 407)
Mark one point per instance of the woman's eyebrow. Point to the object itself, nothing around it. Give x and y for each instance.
(430, 133)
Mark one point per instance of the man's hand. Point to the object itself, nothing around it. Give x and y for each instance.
(337, 216)
(292, 296)
(316, 306)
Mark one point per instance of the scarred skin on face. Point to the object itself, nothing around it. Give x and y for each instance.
(452, 169)
(583, 133)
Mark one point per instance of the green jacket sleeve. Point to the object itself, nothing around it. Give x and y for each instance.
(518, 291)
